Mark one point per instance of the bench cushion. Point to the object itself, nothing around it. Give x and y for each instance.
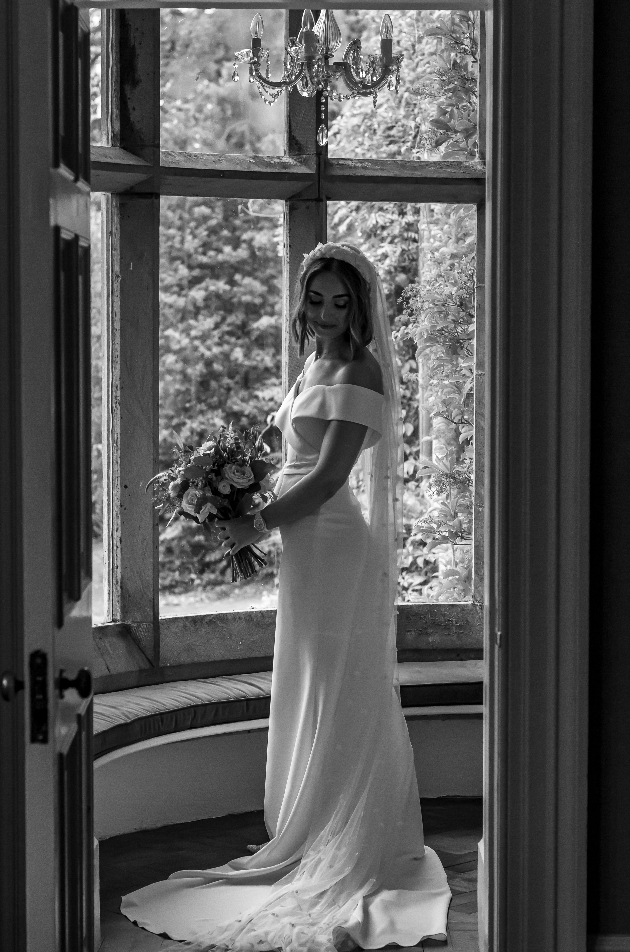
(436, 683)
(138, 714)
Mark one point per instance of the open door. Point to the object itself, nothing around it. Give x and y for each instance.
(47, 881)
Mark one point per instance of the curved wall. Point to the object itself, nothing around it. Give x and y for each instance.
(214, 771)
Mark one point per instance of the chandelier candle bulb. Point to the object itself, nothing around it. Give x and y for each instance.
(387, 39)
(310, 43)
(308, 21)
(256, 30)
(308, 38)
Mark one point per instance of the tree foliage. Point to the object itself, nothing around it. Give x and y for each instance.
(426, 257)
(220, 347)
(220, 277)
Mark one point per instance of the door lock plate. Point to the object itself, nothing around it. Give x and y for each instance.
(38, 665)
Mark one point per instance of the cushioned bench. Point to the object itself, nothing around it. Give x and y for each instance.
(136, 715)
(188, 750)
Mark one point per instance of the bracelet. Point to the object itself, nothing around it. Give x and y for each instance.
(259, 522)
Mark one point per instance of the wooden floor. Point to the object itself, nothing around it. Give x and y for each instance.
(452, 827)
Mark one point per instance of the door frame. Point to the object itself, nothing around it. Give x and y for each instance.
(538, 456)
(12, 872)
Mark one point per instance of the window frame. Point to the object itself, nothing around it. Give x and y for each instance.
(133, 172)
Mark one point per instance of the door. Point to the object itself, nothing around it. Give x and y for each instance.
(47, 898)
(72, 706)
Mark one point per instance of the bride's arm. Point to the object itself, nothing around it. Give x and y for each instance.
(339, 450)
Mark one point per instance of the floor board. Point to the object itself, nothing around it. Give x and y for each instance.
(452, 827)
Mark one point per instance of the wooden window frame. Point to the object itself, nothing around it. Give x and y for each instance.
(133, 172)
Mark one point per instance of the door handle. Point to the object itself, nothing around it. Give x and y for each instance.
(10, 685)
(82, 684)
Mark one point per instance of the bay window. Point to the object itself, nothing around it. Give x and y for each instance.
(208, 199)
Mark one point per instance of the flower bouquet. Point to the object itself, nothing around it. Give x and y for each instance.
(224, 478)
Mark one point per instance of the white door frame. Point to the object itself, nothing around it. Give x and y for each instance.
(538, 472)
(537, 624)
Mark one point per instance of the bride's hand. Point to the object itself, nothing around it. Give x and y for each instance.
(235, 534)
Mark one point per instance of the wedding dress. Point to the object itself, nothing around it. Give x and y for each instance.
(346, 863)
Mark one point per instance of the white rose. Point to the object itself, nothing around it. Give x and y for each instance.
(224, 487)
(205, 512)
(239, 476)
(194, 502)
(190, 499)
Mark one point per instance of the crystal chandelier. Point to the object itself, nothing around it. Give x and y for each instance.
(307, 63)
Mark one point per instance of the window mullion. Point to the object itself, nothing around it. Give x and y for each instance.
(304, 219)
(131, 333)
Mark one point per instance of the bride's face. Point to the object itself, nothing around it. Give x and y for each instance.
(327, 308)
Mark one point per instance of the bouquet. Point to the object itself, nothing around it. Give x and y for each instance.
(224, 478)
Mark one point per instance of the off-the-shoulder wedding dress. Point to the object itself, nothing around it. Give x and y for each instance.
(346, 863)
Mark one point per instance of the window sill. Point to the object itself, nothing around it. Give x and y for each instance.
(195, 646)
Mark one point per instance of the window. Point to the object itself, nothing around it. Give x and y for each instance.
(220, 362)
(190, 165)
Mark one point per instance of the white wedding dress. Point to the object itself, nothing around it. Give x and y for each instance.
(346, 863)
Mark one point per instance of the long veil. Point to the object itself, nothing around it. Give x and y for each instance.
(355, 833)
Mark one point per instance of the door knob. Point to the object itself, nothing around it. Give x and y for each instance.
(82, 684)
(10, 685)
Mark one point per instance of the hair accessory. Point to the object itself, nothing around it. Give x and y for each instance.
(343, 251)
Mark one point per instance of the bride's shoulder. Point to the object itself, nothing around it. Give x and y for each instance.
(363, 371)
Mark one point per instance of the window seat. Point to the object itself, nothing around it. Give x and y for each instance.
(122, 718)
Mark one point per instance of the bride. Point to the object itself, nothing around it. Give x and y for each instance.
(345, 865)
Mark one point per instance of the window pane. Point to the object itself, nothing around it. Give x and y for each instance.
(98, 608)
(202, 109)
(95, 77)
(220, 362)
(434, 113)
(425, 255)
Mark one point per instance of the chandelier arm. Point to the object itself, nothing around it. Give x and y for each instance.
(358, 86)
(276, 84)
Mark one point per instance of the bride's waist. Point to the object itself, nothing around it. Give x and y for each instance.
(299, 467)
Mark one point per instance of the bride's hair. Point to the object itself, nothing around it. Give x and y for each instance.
(359, 331)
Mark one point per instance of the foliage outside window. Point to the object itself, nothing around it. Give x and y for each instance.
(202, 110)
(434, 114)
(220, 362)
(439, 319)
(426, 257)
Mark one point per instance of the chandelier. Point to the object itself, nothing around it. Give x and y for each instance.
(307, 63)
